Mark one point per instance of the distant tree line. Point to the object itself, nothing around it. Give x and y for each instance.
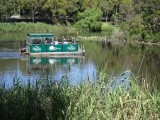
(138, 14)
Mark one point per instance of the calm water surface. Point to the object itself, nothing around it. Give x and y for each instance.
(143, 61)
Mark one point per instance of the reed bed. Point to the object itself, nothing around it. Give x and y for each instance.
(86, 101)
(33, 102)
(94, 102)
(30, 27)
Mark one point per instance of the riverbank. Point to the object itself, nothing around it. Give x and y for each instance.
(110, 32)
(43, 27)
(143, 43)
(52, 100)
(107, 39)
(31, 27)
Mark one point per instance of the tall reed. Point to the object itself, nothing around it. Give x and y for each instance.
(37, 102)
(30, 27)
(49, 100)
(95, 102)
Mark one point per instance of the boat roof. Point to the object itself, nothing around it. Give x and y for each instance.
(34, 35)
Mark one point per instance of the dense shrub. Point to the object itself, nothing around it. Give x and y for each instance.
(107, 27)
(90, 20)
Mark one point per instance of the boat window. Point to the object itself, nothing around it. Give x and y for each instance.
(48, 40)
(36, 41)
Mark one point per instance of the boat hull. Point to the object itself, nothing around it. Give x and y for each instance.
(77, 53)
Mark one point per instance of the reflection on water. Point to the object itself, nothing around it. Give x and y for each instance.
(56, 67)
(123, 81)
(14, 65)
(52, 68)
(142, 60)
(53, 60)
(9, 55)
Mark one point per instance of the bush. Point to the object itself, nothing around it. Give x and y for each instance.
(118, 35)
(107, 27)
(90, 20)
(154, 38)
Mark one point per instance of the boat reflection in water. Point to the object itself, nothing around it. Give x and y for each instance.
(52, 63)
(53, 60)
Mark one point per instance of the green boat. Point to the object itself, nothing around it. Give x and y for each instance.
(45, 44)
(53, 60)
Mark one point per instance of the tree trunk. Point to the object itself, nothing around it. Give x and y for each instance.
(32, 15)
(116, 9)
(107, 16)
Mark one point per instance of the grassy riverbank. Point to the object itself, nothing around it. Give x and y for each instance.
(112, 32)
(51, 100)
(43, 27)
(31, 27)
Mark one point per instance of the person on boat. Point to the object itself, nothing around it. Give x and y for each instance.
(45, 40)
(63, 39)
(73, 39)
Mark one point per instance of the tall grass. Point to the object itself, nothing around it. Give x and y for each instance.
(30, 27)
(93, 101)
(36, 102)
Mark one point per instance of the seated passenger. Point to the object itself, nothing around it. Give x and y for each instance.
(63, 39)
(45, 41)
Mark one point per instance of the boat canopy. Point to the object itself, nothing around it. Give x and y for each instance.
(40, 38)
(40, 35)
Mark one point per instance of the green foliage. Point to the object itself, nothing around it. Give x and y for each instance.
(61, 5)
(136, 25)
(30, 8)
(107, 7)
(108, 27)
(28, 27)
(71, 8)
(56, 8)
(90, 20)
(150, 12)
(59, 100)
(87, 12)
(154, 38)
(153, 19)
(127, 10)
(134, 30)
(38, 102)
(93, 101)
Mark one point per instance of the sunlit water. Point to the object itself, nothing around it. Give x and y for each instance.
(14, 65)
(142, 61)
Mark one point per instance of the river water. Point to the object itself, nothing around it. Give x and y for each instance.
(142, 60)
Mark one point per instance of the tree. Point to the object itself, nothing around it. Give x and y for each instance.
(56, 7)
(136, 26)
(151, 14)
(47, 8)
(116, 5)
(72, 7)
(30, 8)
(116, 10)
(2, 9)
(10, 7)
(107, 7)
(84, 4)
(90, 20)
(127, 10)
(91, 3)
